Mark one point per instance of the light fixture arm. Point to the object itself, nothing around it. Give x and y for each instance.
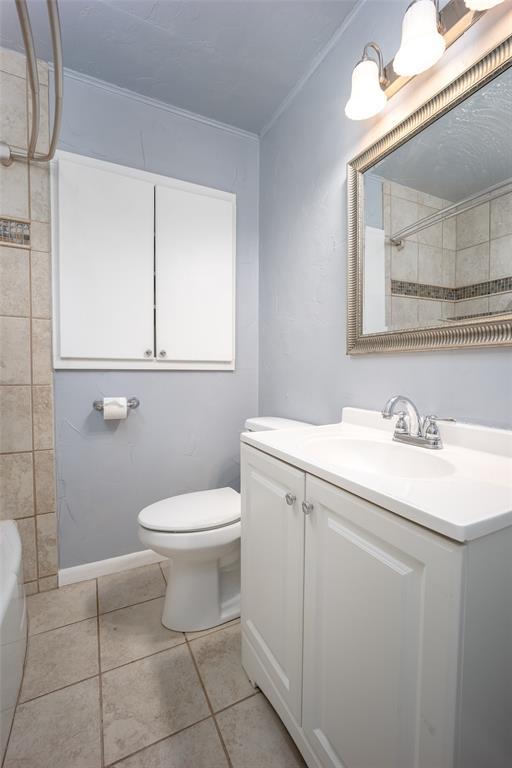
(380, 60)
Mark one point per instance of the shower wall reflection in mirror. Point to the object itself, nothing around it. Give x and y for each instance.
(438, 219)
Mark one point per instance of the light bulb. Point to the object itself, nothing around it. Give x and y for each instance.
(422, 44)
(367, 97)
(481, 5)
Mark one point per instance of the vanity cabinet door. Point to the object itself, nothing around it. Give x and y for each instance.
(272, 570)
(381, 624)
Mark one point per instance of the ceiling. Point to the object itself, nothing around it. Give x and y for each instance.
(467, 150)
(234, 62)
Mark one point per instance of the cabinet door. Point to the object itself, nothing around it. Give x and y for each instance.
(272, 570)
(381, 623)
(195, 260)
(105, 262)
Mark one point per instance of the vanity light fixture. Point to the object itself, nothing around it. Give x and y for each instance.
(481, 5)
(368, 78)
(422, 42)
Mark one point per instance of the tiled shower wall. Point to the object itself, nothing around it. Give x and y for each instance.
(484, 253)
(27, 479)
(428, 257)
(470, 249)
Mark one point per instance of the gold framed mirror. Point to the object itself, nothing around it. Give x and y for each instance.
(430, 221)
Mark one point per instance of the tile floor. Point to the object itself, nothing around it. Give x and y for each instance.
(106, 684)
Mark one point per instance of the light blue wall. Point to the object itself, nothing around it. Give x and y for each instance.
(185, 435)
(304, 370)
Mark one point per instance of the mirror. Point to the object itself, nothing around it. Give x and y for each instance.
(430, 241)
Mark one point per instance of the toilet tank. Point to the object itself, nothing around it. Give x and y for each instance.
(265, 423)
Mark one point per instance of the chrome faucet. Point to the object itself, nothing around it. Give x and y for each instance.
(412, 428)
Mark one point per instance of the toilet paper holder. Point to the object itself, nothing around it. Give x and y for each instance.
(132, 402)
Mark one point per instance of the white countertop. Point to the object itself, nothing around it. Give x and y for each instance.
(464, 490)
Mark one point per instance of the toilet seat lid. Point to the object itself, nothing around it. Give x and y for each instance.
(200, 511)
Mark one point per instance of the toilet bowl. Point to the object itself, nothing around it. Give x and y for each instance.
(200, 535)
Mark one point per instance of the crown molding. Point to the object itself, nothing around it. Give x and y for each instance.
(116, 90)
(320, 56)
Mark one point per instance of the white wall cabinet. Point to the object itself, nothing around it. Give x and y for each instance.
(372, 673)
(194, 236)
(144, 269)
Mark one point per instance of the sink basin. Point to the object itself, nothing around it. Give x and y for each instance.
(377, 458)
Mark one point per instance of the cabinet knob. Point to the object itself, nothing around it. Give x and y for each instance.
(290, 499)
(307, 507)
(148, 353)
(162, 353)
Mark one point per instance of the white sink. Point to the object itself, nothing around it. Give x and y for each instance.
(377, 458)
(462, 491)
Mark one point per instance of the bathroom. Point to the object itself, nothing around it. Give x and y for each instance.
(215, 552)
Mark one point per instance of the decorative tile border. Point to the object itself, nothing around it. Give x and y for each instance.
(15, 232)
(425, 291)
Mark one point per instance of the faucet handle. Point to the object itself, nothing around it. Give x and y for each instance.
(430, 428)
(432, 417)
(401, 426)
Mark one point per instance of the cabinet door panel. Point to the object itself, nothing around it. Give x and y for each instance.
(380, 607)
(272, 570)
(194, 275)
(105, 261)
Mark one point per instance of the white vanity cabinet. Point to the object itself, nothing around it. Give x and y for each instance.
(381, 624)
(273, 571)
(354, 622)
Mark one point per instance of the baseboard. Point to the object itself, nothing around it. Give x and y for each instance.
(111, 565)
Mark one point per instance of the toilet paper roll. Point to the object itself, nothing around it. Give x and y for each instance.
(115, 408)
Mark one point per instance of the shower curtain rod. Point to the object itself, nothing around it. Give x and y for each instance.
(486, 195)
(7, 155)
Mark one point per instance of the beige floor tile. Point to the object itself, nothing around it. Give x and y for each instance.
(218, 658)
(62, 606)
(129, 587)
(148, 700)
(196, 747)
(256, 738)
(60, 730)
(134, 632)
(203, 632)
(60, 657)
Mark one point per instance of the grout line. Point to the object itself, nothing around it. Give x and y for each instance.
(100, 679)
(121, 607)
(158, 741)
(56, 690)
(61, 626)
(142, 658)
(31, 349)
(219, 733)
(239, 701)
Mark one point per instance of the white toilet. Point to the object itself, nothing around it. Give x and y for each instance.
(200, 534)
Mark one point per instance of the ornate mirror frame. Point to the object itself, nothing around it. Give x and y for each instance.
(474, 332)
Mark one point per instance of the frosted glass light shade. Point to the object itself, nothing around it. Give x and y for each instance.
(422, 44)
(481, 5)
(367, 97)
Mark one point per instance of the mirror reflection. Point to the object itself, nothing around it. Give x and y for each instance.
(438, 219)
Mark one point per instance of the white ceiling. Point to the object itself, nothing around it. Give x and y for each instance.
(464, 152)
(234, 62)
